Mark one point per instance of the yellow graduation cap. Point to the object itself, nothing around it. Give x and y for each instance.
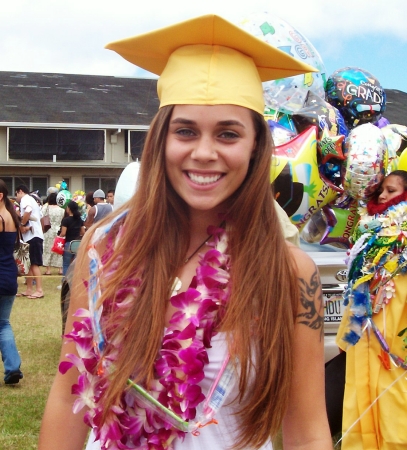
(208, 61)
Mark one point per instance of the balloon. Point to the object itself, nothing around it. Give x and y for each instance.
(403, 161)
(331, 127)
(357, 94)
(364, 169)
(332, 225)
(79, 197)
(401, 130)
(317, 111)
(330, 146)
(382, 122)
(127, 184)
(280, 134)
(287, 94)
(331, 173)
(63, 198)
(393, 142)
(298, 187)
(314, 228)
(340, 224)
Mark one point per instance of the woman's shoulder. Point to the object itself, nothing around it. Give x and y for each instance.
(8, 222)
(305, 264)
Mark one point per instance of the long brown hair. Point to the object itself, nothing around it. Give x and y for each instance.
(261, 310)
(7, 202)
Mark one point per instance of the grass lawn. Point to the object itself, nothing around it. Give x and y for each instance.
(37, 329)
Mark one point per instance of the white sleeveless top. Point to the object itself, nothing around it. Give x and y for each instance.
(211, 437)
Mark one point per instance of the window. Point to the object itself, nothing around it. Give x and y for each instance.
(33, 184)
(66, 145)
(137, 139)
(104, 183)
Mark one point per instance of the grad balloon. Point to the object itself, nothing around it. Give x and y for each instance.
(340, 224)
(357, 94)
(298, 187)
(332, 225)
(63, 198)
(287, 94)
(364, 169)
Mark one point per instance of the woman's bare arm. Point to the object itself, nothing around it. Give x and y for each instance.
(305, 426)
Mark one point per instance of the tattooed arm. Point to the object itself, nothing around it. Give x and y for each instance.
(305, 425)
(311, 309)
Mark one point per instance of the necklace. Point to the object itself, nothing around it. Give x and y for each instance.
(198, 248)
(179, 366)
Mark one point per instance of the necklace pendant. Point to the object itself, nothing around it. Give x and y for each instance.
(176, 286)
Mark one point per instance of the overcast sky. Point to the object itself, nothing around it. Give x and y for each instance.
(69, 37)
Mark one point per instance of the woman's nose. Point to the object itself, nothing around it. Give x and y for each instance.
(204, 150)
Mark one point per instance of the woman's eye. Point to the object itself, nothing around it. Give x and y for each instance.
(229, 135)
(184, 132)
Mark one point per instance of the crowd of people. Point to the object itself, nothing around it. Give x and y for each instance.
(20, 220)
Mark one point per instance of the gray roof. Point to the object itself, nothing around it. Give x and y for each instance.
(51, 98)
(54, 98)
(396, 107)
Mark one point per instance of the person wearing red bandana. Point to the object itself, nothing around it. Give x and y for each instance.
(373, 331)
(392, 191)
(193, 324)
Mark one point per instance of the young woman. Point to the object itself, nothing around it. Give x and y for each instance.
(374, 413)
(205, 328)
(71, 228)
(9, 223)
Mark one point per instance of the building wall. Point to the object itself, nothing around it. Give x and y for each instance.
(115, 160)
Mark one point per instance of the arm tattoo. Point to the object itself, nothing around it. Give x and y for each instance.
(311, 302)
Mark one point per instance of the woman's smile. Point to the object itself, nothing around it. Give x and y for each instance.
(203, 179)
(208, 154)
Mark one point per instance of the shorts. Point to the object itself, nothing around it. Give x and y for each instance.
(36, 249)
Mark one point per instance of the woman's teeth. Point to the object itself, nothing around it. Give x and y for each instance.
(200, 179)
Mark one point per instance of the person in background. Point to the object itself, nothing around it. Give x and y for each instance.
(71, 229)
(9, 223)
(89, 201)
(373, 330)
(110, 196)
(194, 284)
(56, 214)
(31, 231)
(99, 211)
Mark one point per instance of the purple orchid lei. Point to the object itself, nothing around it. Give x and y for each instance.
(179, 365)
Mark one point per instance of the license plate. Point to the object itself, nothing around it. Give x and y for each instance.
(333, 307)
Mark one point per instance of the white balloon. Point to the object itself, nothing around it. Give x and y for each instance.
(287, 94)
(127, 184)
(363, 170)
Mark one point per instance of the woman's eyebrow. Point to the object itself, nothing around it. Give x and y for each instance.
(183, 121)
(193, 122)
(231, 122)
